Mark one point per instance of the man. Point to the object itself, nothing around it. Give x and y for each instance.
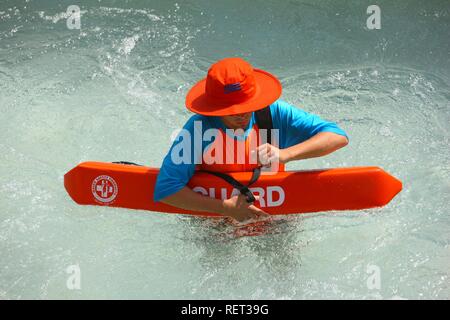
(232, 100)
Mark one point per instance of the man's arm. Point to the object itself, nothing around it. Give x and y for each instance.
(319, 145)
(302, 135)
(235, 207)
(191, 200)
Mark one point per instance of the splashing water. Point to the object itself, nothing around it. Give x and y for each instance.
(114, 90)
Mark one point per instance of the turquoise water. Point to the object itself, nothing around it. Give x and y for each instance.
(115, 90)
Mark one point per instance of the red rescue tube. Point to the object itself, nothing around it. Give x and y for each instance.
(289, 192)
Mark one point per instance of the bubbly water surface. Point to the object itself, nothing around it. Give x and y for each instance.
(115, 89)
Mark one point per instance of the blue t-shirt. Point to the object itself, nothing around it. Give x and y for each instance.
(294, 125)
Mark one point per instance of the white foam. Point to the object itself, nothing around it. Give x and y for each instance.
(128, 45)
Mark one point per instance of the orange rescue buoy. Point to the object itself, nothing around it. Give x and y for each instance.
(289, 192)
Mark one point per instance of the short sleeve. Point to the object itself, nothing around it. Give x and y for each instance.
(297, 125)
(178, 165)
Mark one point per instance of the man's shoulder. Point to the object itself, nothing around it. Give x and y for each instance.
(280, 103)
(282, 108)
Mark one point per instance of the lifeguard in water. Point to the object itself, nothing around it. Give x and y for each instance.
(236, 97)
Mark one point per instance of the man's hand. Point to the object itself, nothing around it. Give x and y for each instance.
(235, 207)
(268, 154)
(238, 208)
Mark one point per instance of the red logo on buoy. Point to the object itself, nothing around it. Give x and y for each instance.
(104, 189)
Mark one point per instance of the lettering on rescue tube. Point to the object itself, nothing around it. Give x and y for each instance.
(271, 196)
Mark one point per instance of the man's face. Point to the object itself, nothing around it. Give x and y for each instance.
(238, 121)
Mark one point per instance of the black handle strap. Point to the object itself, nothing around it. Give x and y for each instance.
(264, 121)
(127, 162)
(243, 189)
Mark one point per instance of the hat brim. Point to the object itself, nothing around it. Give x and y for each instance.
(268, 90)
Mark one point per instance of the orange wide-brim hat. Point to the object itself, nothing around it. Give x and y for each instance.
(231, 87)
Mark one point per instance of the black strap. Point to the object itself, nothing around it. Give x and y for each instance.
(243, 189)
(264, 121)
(127, 162)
